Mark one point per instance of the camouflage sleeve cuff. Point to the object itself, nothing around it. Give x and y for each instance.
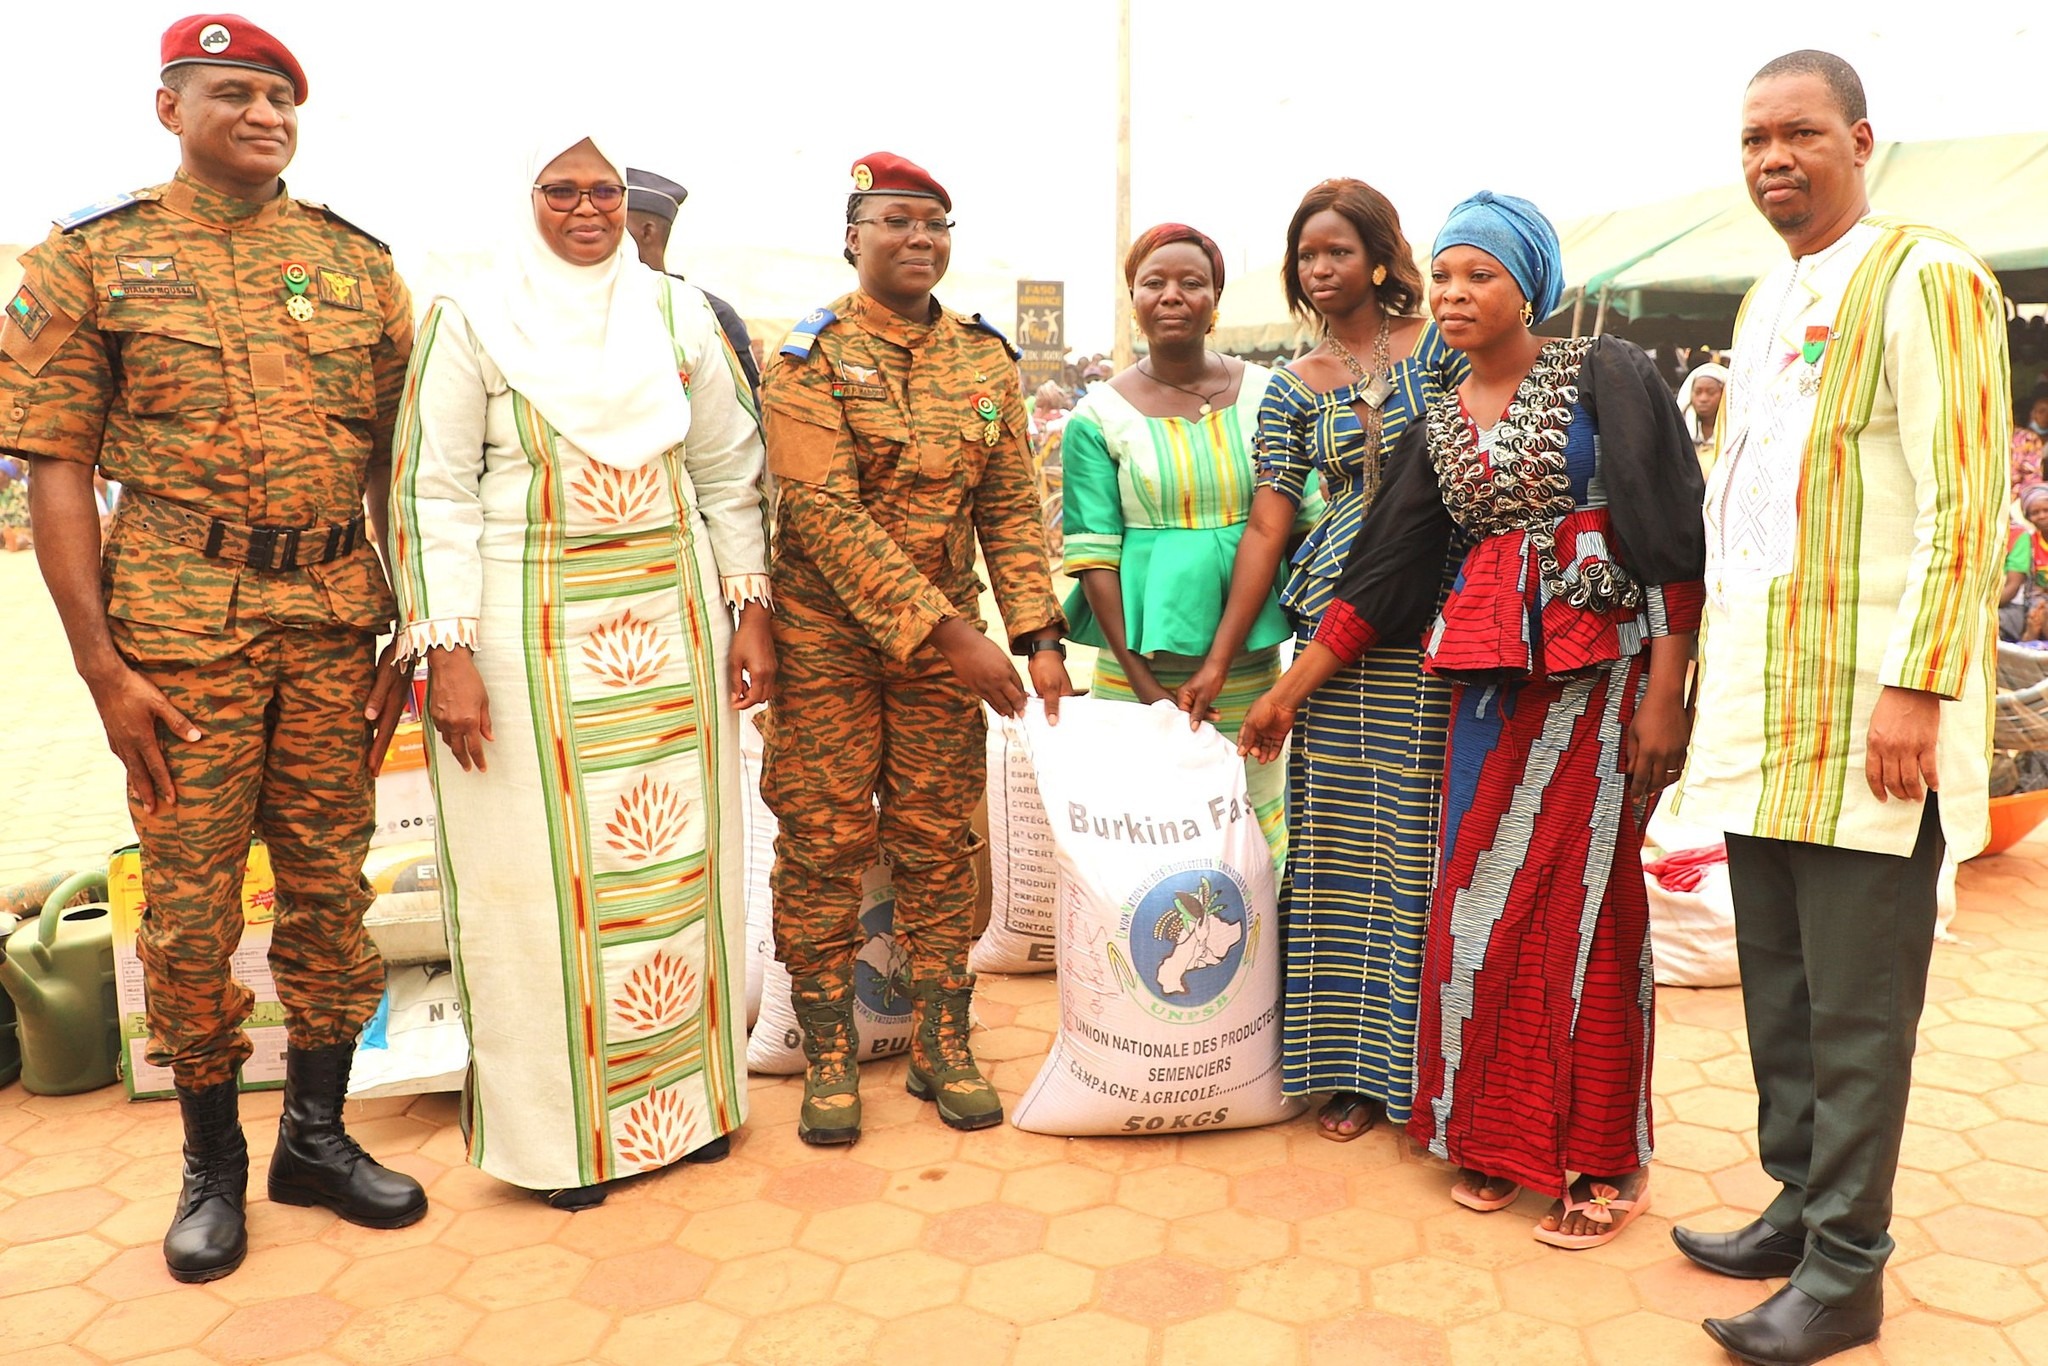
(52, 431)
(438, 633)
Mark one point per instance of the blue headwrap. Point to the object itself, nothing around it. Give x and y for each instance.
(1515, 233)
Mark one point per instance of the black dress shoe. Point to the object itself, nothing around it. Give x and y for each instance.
(1792, 1328)
(717, 1150)
(317, 1163)
(1754, 1252)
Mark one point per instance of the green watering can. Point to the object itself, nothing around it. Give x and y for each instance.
(60, 972)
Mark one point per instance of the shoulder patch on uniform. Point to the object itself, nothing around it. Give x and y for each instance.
(78, 218)
(976, 320)
(332, 216)
(804, 335)
(26, 312)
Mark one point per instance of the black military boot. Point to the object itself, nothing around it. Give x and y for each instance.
(208, 1237)
(317, 1163)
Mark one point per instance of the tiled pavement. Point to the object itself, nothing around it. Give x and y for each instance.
(922, 1245)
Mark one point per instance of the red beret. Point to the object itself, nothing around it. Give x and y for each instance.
(231, 40)
(887, 173)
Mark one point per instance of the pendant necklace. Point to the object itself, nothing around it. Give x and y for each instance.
(1207, 400)
(1375, 385)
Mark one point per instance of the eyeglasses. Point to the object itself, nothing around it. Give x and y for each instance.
(565, 198)
(896, 225)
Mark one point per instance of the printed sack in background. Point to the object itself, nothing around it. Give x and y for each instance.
(881, 989)
(1023, 873)
(757, 825)
(1167, 942)
(414, 1043)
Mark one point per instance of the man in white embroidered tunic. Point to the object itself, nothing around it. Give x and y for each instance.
(1852, 527)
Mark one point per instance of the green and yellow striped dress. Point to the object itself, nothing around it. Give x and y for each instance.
(1164, 502)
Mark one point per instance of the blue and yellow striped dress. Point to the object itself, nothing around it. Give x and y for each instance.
(1364, 787)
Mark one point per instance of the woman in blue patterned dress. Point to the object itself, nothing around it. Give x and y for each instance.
(1362, 790)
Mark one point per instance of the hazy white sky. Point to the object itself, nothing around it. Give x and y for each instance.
(760, 106)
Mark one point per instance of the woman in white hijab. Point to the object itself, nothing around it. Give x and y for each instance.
(579, 548)
(1699, 401)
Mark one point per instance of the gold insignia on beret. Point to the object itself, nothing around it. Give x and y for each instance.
(863, 178)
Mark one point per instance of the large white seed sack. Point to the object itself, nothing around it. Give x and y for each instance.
(881, 972)
(1167, 941)
(1023, 874)
(757, 824)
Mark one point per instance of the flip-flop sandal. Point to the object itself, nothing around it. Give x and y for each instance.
(1606, 1207)
(1471, 1199)
(1339, 1113)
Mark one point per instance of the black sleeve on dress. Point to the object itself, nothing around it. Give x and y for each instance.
(1395, 573)
(1652, 474)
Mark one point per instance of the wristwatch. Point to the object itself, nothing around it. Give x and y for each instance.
(1032, 647)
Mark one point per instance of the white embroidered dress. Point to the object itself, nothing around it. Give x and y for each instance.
(592, 874)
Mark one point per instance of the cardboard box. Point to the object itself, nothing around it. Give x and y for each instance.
(405, 791)
(251, 965)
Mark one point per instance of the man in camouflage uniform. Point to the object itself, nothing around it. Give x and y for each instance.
(896, 434)
(234, 357)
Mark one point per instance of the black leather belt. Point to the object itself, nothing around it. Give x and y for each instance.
(273, 549)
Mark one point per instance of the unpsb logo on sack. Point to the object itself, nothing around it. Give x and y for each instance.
(881, 970)
(1187, 932)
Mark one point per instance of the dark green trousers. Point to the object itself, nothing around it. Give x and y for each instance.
(1834, 946)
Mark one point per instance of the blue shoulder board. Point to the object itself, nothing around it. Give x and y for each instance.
(805, 334)
(985, 325)
(78, 218)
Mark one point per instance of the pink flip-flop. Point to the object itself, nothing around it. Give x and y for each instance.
(1485, 1204)
(1606, 1207)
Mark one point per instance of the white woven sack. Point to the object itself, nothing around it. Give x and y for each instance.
(1167, 942)
(1024, 876)
(757, 859)
(881, 989)
(1692, 934)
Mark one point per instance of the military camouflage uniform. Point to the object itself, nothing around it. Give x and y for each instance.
(886, 477)
(154, 339)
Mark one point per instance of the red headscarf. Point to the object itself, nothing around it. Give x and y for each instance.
(1152, 239)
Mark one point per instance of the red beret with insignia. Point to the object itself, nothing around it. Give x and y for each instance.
(231, 40)
(887, 173)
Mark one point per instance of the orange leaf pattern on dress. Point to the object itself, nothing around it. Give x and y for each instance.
(659, 994)
(649, 821)
(626, 652)
(657, 1130)
(618, 497)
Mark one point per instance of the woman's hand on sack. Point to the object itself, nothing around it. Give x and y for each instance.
(1144, 683)
(459, 706)
(751, 679)
(1654, 755)
(981, 664)
(1050, 681)
(1264, 732)
(1197, 696)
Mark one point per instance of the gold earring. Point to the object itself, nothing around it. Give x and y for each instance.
(1528, 313)
(1379, 275)
(1212, 321)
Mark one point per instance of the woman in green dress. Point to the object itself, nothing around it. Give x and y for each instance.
(1160, 474)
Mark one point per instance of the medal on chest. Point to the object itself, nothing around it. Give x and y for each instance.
(297, 281)
(985, 409)
(1811, 349)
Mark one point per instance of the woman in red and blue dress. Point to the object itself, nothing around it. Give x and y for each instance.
(1565, 637)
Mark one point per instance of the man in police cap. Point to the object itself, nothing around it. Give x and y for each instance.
(233, 356)
(651, 204)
